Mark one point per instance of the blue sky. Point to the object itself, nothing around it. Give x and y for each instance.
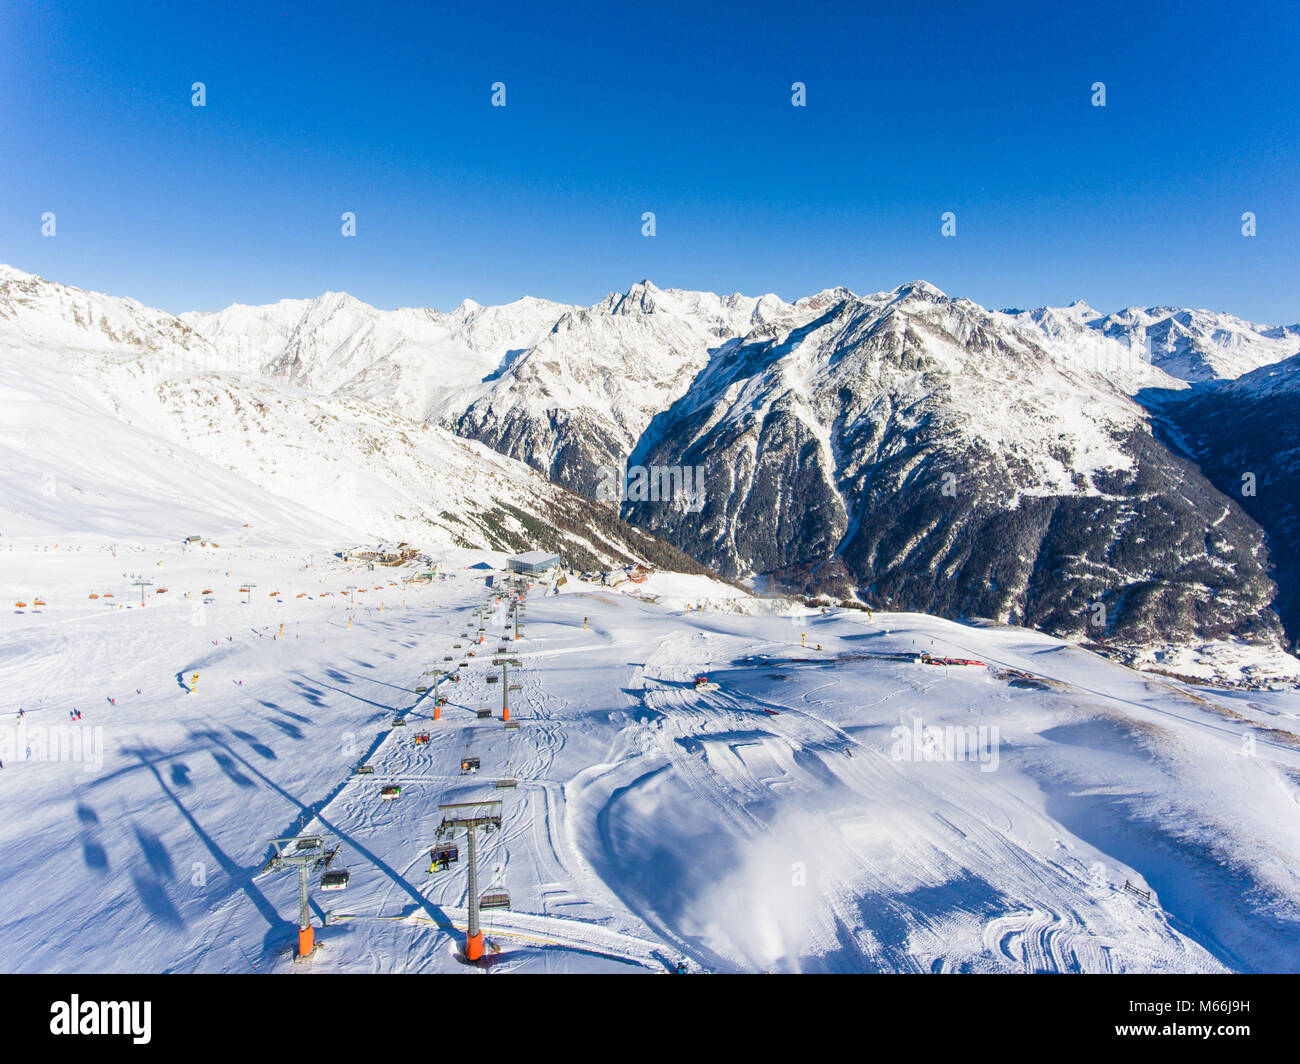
(684, 110)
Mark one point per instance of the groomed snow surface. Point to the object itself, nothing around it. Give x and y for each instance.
(846, 808)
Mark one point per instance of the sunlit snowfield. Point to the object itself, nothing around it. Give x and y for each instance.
(784, 822)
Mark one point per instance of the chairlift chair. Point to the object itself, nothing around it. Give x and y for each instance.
(442, 856)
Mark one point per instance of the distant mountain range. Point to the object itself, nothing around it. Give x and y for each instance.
(122, 421)
(1059, 468)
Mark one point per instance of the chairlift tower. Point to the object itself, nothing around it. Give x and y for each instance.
(471, 816)
(142, 584)
(505, 664)
(437, 707)
(248, 590)
(306, 854)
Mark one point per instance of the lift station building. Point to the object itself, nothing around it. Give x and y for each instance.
(534, 562)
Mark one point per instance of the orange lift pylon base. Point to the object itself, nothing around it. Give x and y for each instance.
(474, 947)
(306, 941)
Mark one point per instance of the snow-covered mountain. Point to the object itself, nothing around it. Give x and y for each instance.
(920, 452)
(411, 360)
(1245, 436)
(903, 447)
(45, 315)
(583, 396)
(566, 389)
(1198, 345)
(113, 407)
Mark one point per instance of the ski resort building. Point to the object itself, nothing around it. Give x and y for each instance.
(534, 562)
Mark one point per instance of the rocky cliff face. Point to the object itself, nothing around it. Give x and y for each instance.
(921, 453)
(1244, 435)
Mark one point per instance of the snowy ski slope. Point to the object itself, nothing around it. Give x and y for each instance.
(775, 824)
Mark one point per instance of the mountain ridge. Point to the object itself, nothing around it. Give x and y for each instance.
(828, 431)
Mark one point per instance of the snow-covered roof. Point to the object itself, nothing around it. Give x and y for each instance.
(536, 557)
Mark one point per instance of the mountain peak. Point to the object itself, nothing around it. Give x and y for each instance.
(8, 272)
(638, 298)
(1080, 310)
(338, 299)
(920, 289)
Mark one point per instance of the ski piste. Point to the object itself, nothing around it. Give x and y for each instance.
(846, 808)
